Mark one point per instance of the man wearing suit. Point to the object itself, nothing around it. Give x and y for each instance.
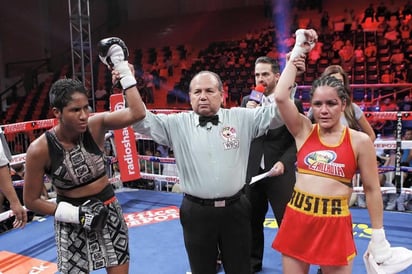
(275, 151)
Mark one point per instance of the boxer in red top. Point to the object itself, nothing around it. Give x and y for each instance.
(317, 226)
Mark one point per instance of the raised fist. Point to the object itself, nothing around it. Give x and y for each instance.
(114, 53)
(305, 40)
(112, 50)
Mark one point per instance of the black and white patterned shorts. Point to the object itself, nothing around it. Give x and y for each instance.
(81, 251)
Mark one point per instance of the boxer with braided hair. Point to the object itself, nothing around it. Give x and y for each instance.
(317, 226)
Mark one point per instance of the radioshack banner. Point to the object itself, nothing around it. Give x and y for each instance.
(124, 140)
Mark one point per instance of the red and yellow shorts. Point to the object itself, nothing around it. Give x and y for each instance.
(317, 230)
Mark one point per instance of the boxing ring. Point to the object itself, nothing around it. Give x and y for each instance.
(155, 233)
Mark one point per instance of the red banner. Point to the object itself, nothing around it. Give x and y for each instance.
(29, 126)
(153, 216)
(125, 144)
(388, 115)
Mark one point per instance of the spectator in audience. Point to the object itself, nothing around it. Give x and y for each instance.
(388, 104)
(241, 60)
(405, 30)
(377, 125)
(17, 174)
(170, 66)
(369, 13)
(109, 154)
(273, 53)
(155, 71)
(380, 12)
(149, 86)
(337, 45)
(163, 74)
(392, 34)
(371, 49)
(399, 74)
(397, 57)
(163, 151)
(407, 10)
(349, 18)
(346, 54)
(157, 168)
(316, 52)
(257, 51)
(404, 200)
(359, 54)
(7, 191)
(405, 105)
(169, 170)
(211, 146)
(360, 197)
(17, 177)
(408, 50)
(388, 199)
(231, 58)
(393, 11)
(387, 77)
(324, 23)
(407, 152)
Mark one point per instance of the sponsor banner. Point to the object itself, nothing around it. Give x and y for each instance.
(11, 263)
(29, 126)
(392, 144)
(152, 177)
(387, 115)
(125, 145)
(157, 215)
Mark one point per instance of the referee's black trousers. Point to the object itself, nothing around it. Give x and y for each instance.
(207, 228)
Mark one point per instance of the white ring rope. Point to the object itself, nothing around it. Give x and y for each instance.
(8, 214)
(381, 144)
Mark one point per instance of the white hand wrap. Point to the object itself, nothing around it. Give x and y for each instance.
(299, 48)
(67, 213)
(127, 79)
(379, 247)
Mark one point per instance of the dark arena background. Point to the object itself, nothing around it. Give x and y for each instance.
(169, 41)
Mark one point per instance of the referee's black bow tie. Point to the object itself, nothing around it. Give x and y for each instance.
(204, 119)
